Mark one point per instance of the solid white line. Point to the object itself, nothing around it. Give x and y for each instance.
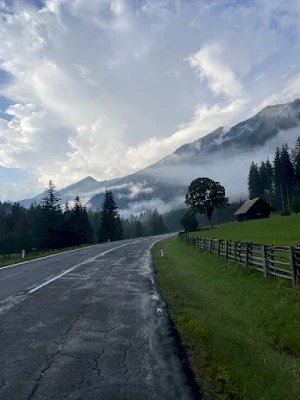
(43, 258)
(78, 265)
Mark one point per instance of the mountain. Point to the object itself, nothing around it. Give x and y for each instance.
(85, 189)
(245, 137)
(224, 155)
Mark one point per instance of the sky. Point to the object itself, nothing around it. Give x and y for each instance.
(104, 88)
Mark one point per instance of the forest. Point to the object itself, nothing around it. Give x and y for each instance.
(278, 182)
(49, 226)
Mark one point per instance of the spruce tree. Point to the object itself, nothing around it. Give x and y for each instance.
(139, 229)
(288, 174)
(279, 180)
(52, 217)
(110, 227)
(254, 182)
(119, 235)
(50, 200)
(296, 164)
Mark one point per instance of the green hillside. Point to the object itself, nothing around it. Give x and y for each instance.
(275, 230)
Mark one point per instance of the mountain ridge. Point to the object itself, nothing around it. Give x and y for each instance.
(163, 185)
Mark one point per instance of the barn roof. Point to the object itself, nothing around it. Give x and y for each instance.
(247, 205)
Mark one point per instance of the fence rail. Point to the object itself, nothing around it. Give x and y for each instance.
(280, 261)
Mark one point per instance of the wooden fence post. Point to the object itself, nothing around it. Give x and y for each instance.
(264, 260)
(293, 266)
(234, 249)
(246, 254)
(226, 250)
(219, 244)
(210, 244)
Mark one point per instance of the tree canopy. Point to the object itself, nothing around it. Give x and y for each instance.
(189, 222)
(204, 195)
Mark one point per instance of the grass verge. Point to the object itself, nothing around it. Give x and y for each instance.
(276, 230)
(240, 330)
(18, 259)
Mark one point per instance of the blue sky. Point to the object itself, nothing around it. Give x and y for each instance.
(107, 87)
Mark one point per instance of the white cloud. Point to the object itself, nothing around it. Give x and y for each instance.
(289, 91)
(102, 87)
(209, 64)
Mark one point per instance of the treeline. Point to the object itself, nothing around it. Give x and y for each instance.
(174, 219)
(149, 223)
(278, 182)
(49, 226)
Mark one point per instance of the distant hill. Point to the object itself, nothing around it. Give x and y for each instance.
(164, 184)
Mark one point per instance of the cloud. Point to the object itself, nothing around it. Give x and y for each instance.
(162, 207)
(103, 87)
(290, 90)
(208, 64)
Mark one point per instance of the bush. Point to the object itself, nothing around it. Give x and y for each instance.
(295, 204)
(189, 222)
(285, 213)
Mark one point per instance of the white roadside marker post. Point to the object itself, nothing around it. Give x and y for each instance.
(162, 254)
(23, 253)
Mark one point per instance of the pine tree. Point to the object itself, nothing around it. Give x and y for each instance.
(270, 182)
(296, 164)
(139, 229)
(50, 200)
(52, 217)
(254, 182)
(278, 180)
(110, 227)
(263, 181)
(157, 226)
(288, 174)
(119, 235)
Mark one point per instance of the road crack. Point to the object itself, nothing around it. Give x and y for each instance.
(52, 358)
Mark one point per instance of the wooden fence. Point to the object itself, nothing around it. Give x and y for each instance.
(280, 261)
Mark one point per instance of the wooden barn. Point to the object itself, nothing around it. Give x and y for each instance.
(253, 209)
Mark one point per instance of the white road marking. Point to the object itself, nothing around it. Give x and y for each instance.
(76, 266)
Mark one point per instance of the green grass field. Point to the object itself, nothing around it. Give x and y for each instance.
(241, 331)
(275, 230)
(15, 259)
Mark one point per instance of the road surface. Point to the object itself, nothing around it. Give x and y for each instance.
(88, 325)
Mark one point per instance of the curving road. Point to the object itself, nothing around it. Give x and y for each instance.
(87, 325)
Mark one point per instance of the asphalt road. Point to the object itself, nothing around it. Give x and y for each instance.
(88, 325)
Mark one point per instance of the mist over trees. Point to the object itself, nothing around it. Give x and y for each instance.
(149, 223)
(277, 182)
(49, 225)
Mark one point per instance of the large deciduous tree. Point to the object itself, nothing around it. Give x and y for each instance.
(204, 195)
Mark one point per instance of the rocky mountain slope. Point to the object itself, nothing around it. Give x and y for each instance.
(224, 155)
